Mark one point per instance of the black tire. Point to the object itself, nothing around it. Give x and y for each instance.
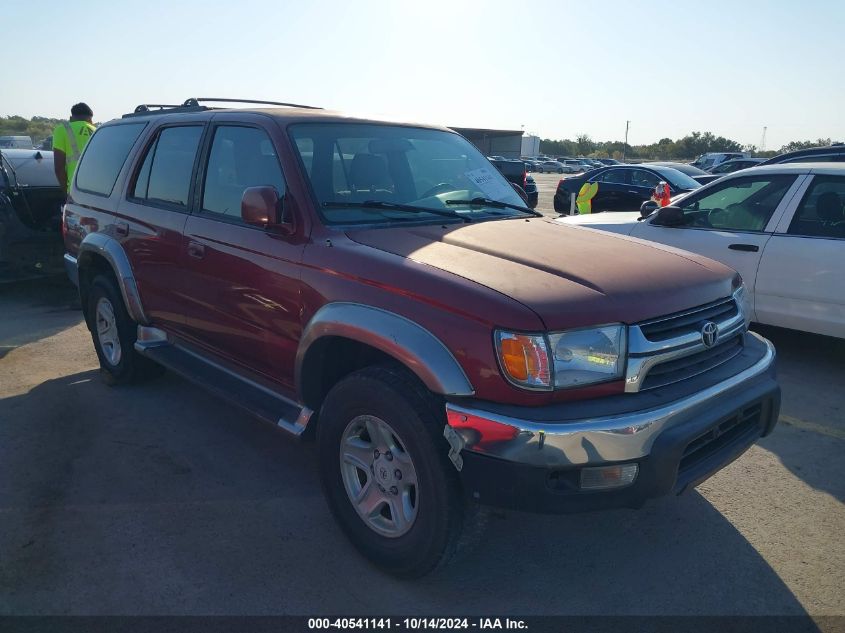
(130, 366)
(397, 398)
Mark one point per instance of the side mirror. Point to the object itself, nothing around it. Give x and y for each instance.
(521, 192)
(647, 208)
(261, 206)
(669, 216)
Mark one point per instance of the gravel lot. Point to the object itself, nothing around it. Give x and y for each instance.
(159, 499)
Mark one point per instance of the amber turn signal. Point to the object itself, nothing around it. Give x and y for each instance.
(524, 359)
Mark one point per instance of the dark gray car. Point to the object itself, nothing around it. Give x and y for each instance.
(30, 215)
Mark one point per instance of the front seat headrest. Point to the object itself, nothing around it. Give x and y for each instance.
(369, 171)
(829, 207)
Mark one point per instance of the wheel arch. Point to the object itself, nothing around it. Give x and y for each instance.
(375, 335)
(101, 253)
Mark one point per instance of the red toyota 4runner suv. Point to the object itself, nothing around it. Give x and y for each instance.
(382, 288)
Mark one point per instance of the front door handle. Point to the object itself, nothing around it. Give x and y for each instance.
(196, 250)
(749, 248)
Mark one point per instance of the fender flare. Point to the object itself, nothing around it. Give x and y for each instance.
(110, 249)
(395, 335)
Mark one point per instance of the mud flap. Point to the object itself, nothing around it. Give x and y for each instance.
(456, 444)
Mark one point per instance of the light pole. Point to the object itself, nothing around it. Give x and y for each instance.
(625, 146)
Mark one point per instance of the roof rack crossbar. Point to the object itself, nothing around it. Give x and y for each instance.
(258, 101)
(147, 109)
(193, 105)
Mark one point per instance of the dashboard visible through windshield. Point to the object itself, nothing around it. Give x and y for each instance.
(367, 173)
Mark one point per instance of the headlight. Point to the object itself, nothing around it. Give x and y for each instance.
(583, 357)
(743, 302)
(563, 359)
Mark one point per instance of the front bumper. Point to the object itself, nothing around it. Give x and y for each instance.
(531, 462)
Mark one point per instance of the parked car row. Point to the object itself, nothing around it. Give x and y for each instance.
(565, 165)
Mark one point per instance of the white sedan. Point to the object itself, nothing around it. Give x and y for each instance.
(781, 226)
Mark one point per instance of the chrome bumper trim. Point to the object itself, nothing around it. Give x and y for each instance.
(601, 439)
(72, 268)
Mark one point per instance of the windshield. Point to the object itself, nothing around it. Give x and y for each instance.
(677, 179)
(350, 165)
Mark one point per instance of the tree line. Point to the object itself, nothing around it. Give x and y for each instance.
(687, 148)
(38, 127)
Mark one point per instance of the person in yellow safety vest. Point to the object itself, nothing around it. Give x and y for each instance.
(69, 139)
(584, 199)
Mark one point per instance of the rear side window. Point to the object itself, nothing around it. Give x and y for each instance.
(822, 211)
(613, 176)
(165, 175)
(642, 178)
(104, 157)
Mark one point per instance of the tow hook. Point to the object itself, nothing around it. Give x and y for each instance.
(456, 444)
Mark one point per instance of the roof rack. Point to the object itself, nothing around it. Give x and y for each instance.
(278, 103)
(193, 105)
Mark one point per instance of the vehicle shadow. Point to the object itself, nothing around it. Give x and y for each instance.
(30, 311)
(159, 499)
(810, 437)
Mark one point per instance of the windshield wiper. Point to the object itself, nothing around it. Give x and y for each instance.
(496, 204)
(395, 206)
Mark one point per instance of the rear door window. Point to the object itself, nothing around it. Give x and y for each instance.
(104, 157)
(643, 178)
(614, 176)
(822, 211)
(165, 174)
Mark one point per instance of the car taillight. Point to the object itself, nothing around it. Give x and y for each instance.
(524, 179)
(64, 221)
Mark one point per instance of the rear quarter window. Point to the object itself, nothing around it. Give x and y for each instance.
(104, 157)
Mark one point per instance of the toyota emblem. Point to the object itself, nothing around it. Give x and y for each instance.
(709, 333)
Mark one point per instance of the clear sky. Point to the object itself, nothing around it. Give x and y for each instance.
(556, 67)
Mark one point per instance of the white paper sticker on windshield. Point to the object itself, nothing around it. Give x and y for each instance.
(492, 184)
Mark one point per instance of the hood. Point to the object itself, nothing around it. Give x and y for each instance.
(569, 276)
(618, 222)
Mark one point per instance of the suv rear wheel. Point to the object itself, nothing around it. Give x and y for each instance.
(114, 334)
(385, 471)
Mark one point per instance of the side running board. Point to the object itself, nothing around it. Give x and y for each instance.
(256, 399)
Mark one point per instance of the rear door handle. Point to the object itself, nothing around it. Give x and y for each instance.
(196, 250)
(749, 248)
(121, 229)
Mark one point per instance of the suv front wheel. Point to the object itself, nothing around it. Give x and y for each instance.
(385, 470)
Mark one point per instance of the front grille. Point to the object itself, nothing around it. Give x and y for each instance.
(682, 368)
(740, 425)
(677, 325)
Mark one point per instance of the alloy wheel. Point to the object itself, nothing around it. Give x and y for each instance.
(107, 333)
(379, 476)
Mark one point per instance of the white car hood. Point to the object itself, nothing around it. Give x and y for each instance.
(615, 222)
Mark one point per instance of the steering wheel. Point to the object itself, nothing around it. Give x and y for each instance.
(715, 212)
(438, 188)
